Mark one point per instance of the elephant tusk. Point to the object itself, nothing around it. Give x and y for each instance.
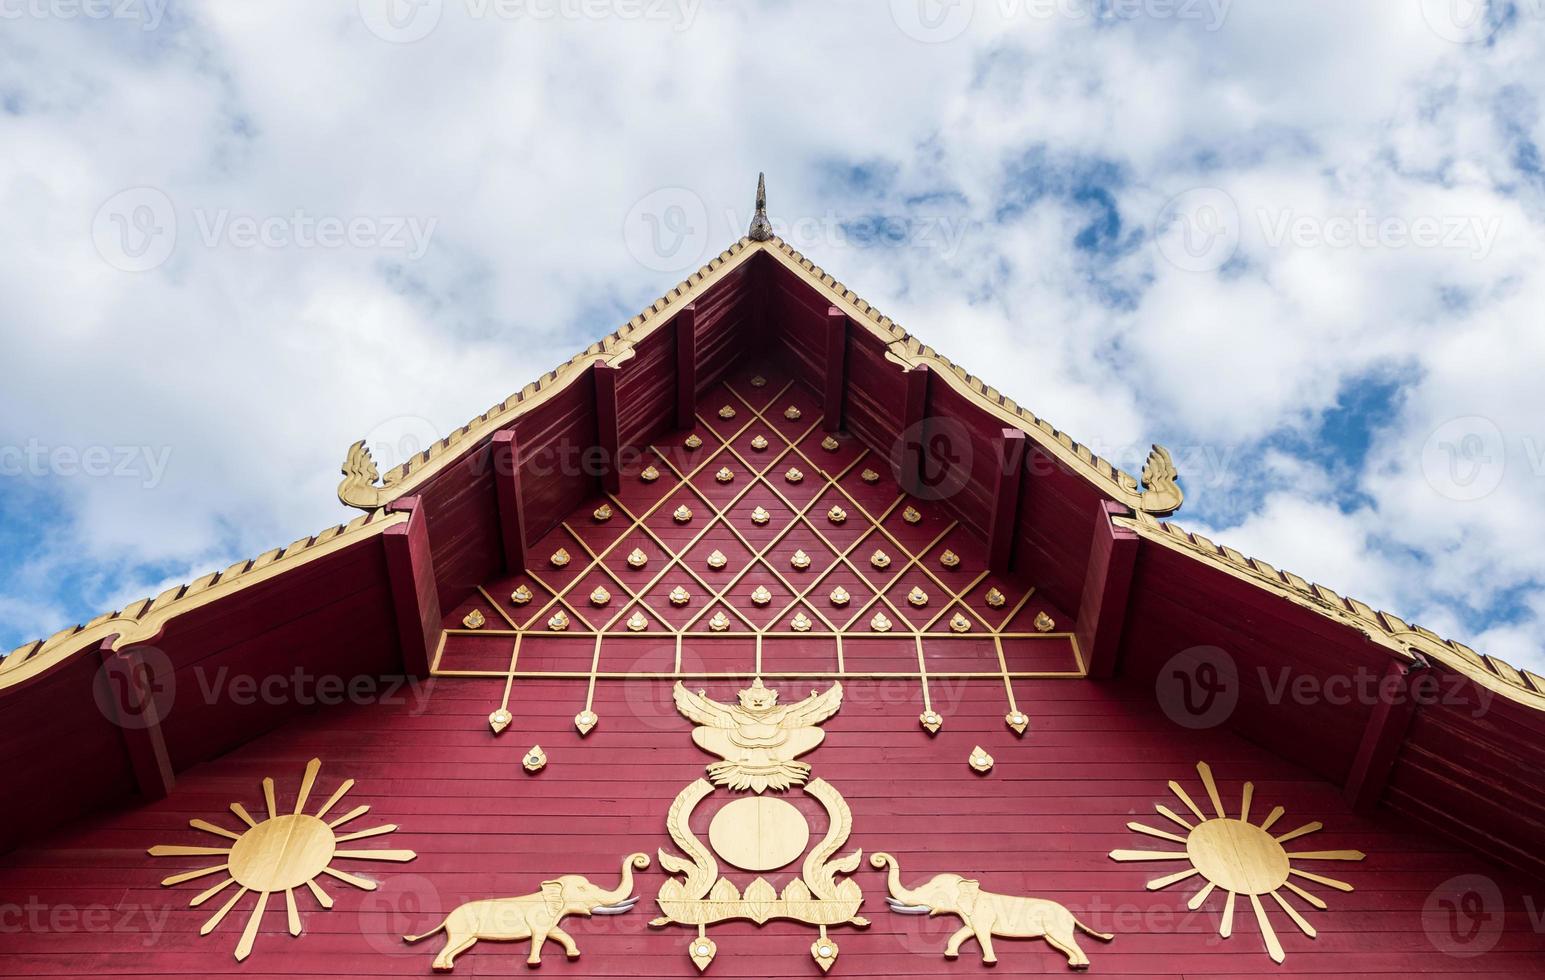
(618, 909)
(905, 909)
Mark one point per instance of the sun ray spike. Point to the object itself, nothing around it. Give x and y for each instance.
(1168, 880)
(205, 896)
(249, 934)
(184, 850)
(358, 811)
(1200, 897)
(1122, 855)
(1273, 946)
(1244, 806)
(1306, 896)
(1272, 817)
(243, 815)
(1340, 886)
(1185, 798)
(210, 828)
(1205, 771)
(291, 912)
(376, 855)
(183, 876)
(1306, 829)
(1327, 855)
(214, 920)
(1169, 814)
(323, 899)
(332, 801)
(349, 879)
(372, 832)
(268, 797)
(1226, 927)
(1292, 913)
(306, 783)
(1155, 832)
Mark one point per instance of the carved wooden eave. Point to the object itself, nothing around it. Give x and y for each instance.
(1405, 641)
(1158, 493)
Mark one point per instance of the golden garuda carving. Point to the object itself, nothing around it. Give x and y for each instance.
(758, 738)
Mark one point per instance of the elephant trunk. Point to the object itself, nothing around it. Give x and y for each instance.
(625, 889)
(898, 893)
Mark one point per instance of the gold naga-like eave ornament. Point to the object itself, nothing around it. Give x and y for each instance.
(757, 740)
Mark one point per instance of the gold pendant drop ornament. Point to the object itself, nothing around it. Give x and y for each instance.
(760, 596)
(1044, 623)
(839, 596)
(759, 382)
(500, 720)
(727, 412)
(585, 721)
(792, 413)
(474, 619)
(836, 515)
(600, 596)
(960, 624)
(879, 623)
(800, 561)
(649, 475)
(716, 560)
(682, 514)
(794, 475)
(725, 474)
(996, 599)
(931, 721)
(602, 514)
(880, 559)
(980, 760)
(1017, 720)
(911, 515)
(694, 441)
(759, 443)
(559, 558)
(760, 516)
(535, 760)
(637, 623)
(520, 596)
(702, 950)
(869, 476)
(679, 596)
(559, 622)
(830, 444)
(719, 623)
(801, 623)
(949, 559)
(917, 597)
(637, 558)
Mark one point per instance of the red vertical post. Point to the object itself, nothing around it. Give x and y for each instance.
(1383, 735)
(686, 367)
(914, 435)
(606, 423)
(1102, 612)
(512, 510)
(134, 693)
(836, 369)
(415, 597)
(1005, 501)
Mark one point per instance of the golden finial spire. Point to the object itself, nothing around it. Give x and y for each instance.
(761, 228)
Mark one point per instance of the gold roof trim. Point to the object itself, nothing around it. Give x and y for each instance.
(1404, 640)
(139, 621)
(1157, 493)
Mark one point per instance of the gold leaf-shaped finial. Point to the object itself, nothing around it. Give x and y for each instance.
(702, 950)
(716, 559)
(759, 442)
(637, 558)
(794, 475)
(1017, 720)
(682, 514)
(637, 623)
(801, 623)
(727, 412)
(949, 559)
(917, 596)
(980, 760)
(800, 560)
(679, 596)
(792, 413)
(759, 382)
(830, 444)
(585, 721)
(996, 599)
(649, 474)
(559, 558)
(600, 596)
(535, 759)
(760, 516)
(880, 559)
(869, 476)
(559, 622)
(836, 515)
(761, 596)
(500, 719)
(520, 596)
(602, 514)
(724, 475)
(1044, 623)
(879, 623)
(911, 515)
(719, 622)
(474, 619)
(931, 720)
(839, 596)
(960, 624)
(694, 441)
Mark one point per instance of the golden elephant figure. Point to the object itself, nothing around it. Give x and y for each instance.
(534, 917)
(987, 914)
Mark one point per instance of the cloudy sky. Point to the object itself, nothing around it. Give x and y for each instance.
(1300, 244)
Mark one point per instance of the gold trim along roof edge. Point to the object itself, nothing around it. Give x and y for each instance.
(1158, 493)
(1404, 640)
(140, 621)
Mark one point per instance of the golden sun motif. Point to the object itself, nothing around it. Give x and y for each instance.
(279, 854)
(1239, 857)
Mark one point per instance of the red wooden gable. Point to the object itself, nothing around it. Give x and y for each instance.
(423, 650)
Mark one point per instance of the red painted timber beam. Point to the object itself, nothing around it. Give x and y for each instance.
(914, 431)
(606, 423)
(1005, 501)
(686, 367)
(1102, 612)
(1383, 735)
(512, 509)
(836, 371)
(131, 689)
(410, 568)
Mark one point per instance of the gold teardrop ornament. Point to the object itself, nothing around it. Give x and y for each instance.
(800, 561)
(500, 719)
(559, 622)
(759, 382)
(716, 560)
(880, 559)
(727, 412)
(1044, 623)
(931, 720)
(649, 474)
(980, 760)
(1017, 720)
(996, 599)
(794, 475)
(559, 558)
(911, 515)
(879, 623)
(869, 476)
(602, 514)
(585, 721)
(535, 759)
(682, 514)
(792, 413)
(949, 559)
(725, 474)
(829, 444)
(839, 596)
(759, 443)
(520, 596)
(474, 620)
(637, 558)
(637, 623)
(760, 516)
(600, 596)
(917, 597)
(694, 441)
(679, 596)
(836, 515)
(801, 623)
(719, 623)
(761, 596)
(960, 624)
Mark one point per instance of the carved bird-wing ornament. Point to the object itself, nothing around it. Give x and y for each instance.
(700, 708)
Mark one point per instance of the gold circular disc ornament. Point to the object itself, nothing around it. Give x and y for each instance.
(1238, 856)
(282, 852)
(759, 833)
